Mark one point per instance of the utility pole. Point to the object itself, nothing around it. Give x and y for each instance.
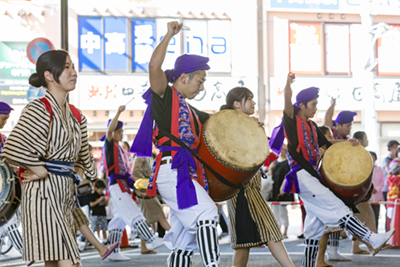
(263, 103)
(64, 27)
(367, 76)
(64, 24)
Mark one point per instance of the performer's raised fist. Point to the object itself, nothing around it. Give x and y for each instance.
(174, 27)
(121, 108)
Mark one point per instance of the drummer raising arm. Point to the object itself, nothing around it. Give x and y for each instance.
(322, 206)
(341, 128)
(178, 176)
(11, 227)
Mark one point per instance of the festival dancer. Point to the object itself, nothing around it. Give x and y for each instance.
(126, 212)
(262, 227)
(365, 214)
(177, 175)
(54, 148)
(341, 128)
(322, 205)
(80, 220)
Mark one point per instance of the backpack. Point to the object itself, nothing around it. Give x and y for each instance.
(74, 110)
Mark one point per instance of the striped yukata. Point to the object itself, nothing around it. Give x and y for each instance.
(261, 214)
(47, 204)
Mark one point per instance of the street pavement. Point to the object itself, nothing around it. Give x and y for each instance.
(258, 256)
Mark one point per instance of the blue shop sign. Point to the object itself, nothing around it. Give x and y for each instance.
(90, 49)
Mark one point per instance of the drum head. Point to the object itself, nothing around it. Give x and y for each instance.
(236, 140)
(6, 182)
(347, 166)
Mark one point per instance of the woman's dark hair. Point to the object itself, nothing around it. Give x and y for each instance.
(236, 94)
(127, 145)
(324, 129)
(373, 154)
(52, 61)
(359, 135)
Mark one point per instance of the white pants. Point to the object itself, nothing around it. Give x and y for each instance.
(281, 214)
(126, 211)
(322, 206)
(183, 222)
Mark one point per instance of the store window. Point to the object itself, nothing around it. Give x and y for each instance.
(388, 52)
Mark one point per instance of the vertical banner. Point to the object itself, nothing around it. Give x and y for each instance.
(219, 42)
(115, 44)
(90, 49)
(305, 48)
(195, 40)
(143, 43)
(388, 52)
(174, 46)
(337, 48)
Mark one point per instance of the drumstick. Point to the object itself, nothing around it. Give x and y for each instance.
(129, 101)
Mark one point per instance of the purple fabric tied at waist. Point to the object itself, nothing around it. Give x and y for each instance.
(126, 178)
(142, 145)
(185, 190)
(277, 138)
(291, 178)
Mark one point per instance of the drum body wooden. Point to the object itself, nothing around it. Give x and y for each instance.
(235, 146)
(10, 192)
(347, 170)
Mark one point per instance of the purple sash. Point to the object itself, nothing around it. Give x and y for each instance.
(291, 178)
(185, 190)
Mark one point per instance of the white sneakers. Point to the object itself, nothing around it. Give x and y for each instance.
(378, 241)
(118, 257)
(158, 242)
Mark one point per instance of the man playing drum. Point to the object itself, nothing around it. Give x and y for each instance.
(341, 128)
(176, 174)
(322, 206)
(11, 227)
(126, 212)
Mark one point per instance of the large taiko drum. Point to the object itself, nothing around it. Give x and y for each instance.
(10, 192)
(347, 170)
(235, 146)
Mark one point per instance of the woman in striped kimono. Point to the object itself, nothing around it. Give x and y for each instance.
(262, 226)
(54, 147)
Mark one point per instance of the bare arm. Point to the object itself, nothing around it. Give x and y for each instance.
(158, 80)
(289, 110)
(114, 123)
(329, 114)
(34, 173)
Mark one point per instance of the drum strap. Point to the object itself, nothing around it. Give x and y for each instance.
(216, 174)
(310, 169)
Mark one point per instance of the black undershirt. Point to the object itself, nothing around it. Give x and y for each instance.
(162, 114)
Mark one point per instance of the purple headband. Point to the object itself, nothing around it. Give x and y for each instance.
(278, 134)
(142, 144)
(187, 64)
(345, 117)
(5, 108)
(119, 126)
(306, 95)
